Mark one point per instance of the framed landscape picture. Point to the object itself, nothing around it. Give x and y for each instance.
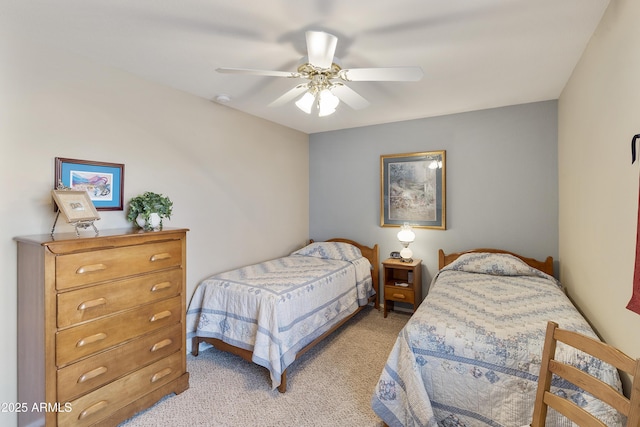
(103, 181)
(412, 190)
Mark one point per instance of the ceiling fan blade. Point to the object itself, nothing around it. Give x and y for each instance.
(321, 47)
(389, 74)
(290, 95)
(267, 73)
(349, 96)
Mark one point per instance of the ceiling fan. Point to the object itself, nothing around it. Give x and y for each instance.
(325, 87)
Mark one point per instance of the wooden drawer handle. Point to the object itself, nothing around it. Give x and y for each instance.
(91, 268)
(161, 344)
(91, 339)
(399, 296)
(160, 286)
(159, 316)
(160, 257)
(93, 409)
(161, 374)
(92, 303)
(92, 374)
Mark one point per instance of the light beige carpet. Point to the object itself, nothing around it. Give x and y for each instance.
(331, 385)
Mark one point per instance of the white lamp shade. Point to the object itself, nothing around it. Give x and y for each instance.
(327, 103)
(305, 103)
(326, 112)
(406, 234)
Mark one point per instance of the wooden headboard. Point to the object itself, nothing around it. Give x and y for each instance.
(371, 253)
(545, 266)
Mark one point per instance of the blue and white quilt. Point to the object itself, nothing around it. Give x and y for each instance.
(470, 355)
(277, 307)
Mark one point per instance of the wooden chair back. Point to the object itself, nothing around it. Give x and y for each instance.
(600, 390)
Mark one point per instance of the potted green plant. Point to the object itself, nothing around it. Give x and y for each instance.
(148, 210)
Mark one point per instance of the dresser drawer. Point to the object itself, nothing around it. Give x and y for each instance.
(84, 268)
(99, 404)
(88, 338)
(95, 371)
(398, 293)
(100, 300)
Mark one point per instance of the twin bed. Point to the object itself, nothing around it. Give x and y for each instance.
(272, 312)
(470, 355)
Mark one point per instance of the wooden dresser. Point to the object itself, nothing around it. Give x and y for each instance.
(101, 325)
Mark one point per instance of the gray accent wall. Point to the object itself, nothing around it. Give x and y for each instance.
(501, 182)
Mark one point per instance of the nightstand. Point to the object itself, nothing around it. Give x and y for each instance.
(397, 272)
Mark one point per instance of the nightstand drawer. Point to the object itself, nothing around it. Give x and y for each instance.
(96, 301)
(99, 404)
(95, 371)
(86, 339)
(92, 267)
(398, 293)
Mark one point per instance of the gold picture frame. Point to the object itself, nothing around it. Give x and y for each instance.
(75, 205)
(413, 190)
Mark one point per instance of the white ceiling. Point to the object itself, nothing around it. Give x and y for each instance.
(475, 54)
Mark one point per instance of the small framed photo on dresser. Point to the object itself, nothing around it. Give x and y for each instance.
(75, 205)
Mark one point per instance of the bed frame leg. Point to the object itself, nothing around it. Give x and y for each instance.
(283, 383)
(195, 346)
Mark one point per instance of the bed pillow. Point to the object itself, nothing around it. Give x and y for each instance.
(495, 264)
(330, 250)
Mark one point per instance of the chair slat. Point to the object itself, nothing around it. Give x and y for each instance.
(572, 411)
(596, 387)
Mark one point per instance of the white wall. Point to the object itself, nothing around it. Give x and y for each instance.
(599, 112)
(239, 183)
(501, 182)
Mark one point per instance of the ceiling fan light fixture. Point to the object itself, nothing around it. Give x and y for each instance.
(323, 112)
(327, 103)
(305, 103)
(325, 88)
